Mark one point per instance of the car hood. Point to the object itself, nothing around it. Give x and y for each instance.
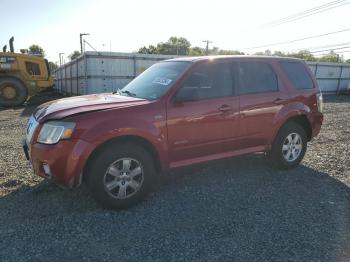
(64, 107)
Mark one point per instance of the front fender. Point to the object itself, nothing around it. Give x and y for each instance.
(99, 127)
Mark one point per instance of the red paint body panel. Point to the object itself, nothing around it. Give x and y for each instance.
(181, 133)
(196, 128)
(62, 108)
(66, 160)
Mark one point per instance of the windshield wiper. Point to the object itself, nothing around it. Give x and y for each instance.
(128, 93)
(118, 92)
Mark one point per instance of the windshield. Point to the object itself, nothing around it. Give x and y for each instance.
(155, 81)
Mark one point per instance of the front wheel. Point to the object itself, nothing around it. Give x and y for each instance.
(289, 146)
(120, 175)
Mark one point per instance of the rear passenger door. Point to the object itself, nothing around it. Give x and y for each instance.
(261, 97)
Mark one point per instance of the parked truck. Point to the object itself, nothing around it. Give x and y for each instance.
(22, 75)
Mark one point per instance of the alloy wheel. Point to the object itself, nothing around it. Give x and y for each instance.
(292, 147)
(123, 178)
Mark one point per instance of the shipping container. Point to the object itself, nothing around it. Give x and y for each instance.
(332, 77)
(100, 72)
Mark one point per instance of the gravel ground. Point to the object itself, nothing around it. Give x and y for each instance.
(238, 209)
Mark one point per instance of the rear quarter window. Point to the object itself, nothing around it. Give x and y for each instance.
(256, 77)
(297, 75)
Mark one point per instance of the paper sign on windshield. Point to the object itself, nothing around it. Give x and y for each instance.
(162, 81)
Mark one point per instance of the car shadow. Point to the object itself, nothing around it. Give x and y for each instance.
(238, 208)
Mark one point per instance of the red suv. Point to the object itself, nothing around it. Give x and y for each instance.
(177, 113)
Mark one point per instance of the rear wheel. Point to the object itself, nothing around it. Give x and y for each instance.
(289, 146)
(12, 92)
(120, 175)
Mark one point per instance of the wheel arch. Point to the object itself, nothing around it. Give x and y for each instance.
(300, 119)
(304, 122)
(126, 139)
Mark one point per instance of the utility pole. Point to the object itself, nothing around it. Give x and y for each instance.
(60, 55)
(207, 47)
(81, 41)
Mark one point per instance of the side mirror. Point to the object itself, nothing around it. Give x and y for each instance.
(180, 96)
(185, 94)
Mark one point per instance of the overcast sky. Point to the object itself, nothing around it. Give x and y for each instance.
(125, 26)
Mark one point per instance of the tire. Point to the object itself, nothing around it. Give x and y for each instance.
(12, 92)
(111, 165)
(285, 154)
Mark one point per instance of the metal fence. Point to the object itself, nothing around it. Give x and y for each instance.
(99, 72)
(331, 77)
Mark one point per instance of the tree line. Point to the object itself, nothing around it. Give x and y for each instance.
(181, 46)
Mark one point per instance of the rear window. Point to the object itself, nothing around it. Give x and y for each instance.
(297, 75)
(257, 77)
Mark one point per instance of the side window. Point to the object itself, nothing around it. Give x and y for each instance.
(32, 68)
(257, 77)
(207, 81)
(297, 75)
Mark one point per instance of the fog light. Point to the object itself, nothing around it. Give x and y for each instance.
(47, 170)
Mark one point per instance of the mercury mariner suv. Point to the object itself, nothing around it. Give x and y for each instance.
(177, 113)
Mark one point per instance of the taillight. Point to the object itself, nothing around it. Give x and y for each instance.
(319, 102)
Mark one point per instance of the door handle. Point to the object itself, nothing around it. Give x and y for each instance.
(225, 108)
(278, 101)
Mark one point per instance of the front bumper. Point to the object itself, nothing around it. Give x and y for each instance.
(63, 163)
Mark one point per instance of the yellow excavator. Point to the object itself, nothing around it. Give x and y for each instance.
(22, 75)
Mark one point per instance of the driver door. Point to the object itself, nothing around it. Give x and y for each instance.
(202, 119)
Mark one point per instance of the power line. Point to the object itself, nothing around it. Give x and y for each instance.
(296, 40)
(314, 9)
(341, 52)
(321, 11)
(309, 12)
(338, 52)
(325, 46)
(319, 51)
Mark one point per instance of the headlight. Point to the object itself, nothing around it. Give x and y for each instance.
(54, 131)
